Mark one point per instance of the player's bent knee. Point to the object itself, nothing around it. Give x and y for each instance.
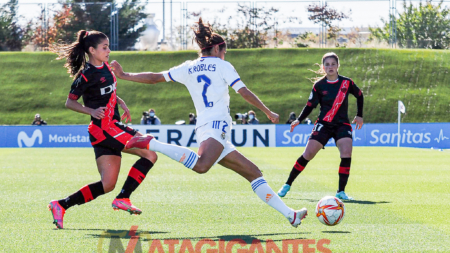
(151, 156)
(108, 186)
(201, 169)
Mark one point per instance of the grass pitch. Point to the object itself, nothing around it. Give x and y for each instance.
(401, 205)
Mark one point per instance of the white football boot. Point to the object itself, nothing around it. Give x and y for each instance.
(297, 217)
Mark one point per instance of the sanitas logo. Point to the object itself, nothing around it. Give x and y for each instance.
(407, 137)
(29, 141)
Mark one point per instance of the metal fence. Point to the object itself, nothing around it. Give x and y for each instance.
(168, 23)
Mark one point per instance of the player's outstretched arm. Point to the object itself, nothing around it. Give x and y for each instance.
(145, 77)
(251, 98)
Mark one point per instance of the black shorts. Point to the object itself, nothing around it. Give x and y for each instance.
(323, 131)
(100, 150)
(111, 140)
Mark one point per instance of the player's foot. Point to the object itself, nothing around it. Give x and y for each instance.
(342, 196)
(58, 213)
(284, 190)
(297, 217)
(139, 142)
(125, 204)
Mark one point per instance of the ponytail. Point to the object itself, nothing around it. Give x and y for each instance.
(206, 38)
(77, 52)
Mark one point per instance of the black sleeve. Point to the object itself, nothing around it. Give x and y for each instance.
(305, 112)
(312, 103)
(359, 99)
(81, 83)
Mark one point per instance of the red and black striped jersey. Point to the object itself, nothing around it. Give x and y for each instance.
(97, 86)
(333, 99)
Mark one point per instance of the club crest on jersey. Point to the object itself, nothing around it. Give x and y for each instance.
(223, 135)
(325, 92)
(108, 89)
(344, 89)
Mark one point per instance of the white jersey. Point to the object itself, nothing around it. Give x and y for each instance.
(207, 79)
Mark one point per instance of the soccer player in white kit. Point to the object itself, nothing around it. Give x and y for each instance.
(208, 79)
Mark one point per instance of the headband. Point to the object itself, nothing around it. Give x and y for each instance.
(223, 42)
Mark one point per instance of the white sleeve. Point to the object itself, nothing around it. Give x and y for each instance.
(177, 74)
(231, 77)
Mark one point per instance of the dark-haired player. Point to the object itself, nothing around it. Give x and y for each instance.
(208, 80)
(96, 83)
(331, 92)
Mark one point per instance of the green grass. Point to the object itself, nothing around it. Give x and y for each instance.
(36, 83)
(402, 201)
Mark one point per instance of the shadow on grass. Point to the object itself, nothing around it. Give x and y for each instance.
(124, 234)
(246, 238)
(337, 232)
(366, 202)
(362, 202)
(249, 238)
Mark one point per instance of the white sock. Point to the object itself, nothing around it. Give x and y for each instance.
(180, 154)
(266, 194)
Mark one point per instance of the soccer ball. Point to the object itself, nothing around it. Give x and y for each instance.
(330, 210)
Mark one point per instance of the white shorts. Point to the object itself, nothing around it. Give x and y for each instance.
(219, 130)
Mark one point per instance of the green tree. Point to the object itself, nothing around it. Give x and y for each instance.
(88, 15)
(13, 37)
(425, 26)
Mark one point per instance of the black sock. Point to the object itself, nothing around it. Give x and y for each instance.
(135, 177)
(84, 195)
(299, 166)
(344, 173)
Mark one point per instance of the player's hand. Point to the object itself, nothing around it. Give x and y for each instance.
(98, 113)
(126, 112)
(117, 69)
(294, 124)
(359, 122)
(273, 117)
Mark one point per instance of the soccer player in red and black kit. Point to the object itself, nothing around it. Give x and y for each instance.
(331, 92)
(96, 83)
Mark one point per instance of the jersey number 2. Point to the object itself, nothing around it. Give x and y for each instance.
(207, 81)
